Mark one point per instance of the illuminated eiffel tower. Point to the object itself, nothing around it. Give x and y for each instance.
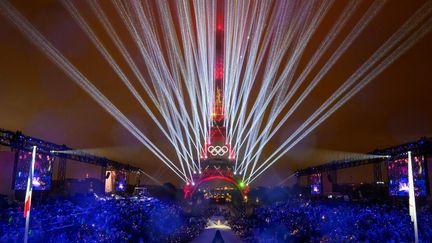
(217, 156)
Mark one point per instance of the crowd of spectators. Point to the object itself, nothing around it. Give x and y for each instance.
(95, 219)
(146, 219)
(299, 220)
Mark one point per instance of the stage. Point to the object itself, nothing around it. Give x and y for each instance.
(217, 224)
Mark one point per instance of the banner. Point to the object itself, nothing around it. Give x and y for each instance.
(412, 205)
(27, 204)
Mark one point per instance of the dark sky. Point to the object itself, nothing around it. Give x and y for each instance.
(38, 99)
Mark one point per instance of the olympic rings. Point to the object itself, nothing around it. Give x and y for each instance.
(217, 150)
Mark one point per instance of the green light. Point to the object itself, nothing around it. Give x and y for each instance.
(241, 184)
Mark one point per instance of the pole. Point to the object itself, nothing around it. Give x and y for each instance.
(412, 204)
(27, 204)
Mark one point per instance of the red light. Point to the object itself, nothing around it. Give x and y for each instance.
(219, 27)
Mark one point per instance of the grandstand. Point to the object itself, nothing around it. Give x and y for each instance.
(343, 176)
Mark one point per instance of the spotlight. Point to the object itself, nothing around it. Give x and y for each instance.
(242, 184)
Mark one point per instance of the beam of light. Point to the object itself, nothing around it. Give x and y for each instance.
(408, 27)
(281, 84)
(167, 108)
(239, 32)
(54, 55)
(153, 62)
(358, 28)
(190, 51)
(191, 87)
(326, 67)
(270, 74)
(404, 30)
(102, 152)
(286, 179)
(273, 60)
(182, 121)
(358, 87)
(159, 70)
(156, 61)
(183, 153)
(151, 177)
(292, 64)
(271, 65)
(323, 155)
(331, 155)
(146, 37)
(123, 50)
(259, 43)
(343, 18)
(204, 54)
(205, 18)
(274, 109)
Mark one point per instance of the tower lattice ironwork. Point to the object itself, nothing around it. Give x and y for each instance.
(217, 156)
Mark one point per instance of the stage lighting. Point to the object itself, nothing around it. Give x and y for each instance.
(242, 184)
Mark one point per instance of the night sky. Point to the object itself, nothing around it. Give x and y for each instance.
(38, 99)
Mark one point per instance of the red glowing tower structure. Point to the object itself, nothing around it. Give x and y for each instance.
(217, 156)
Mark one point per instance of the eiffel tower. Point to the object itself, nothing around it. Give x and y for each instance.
(217, 156)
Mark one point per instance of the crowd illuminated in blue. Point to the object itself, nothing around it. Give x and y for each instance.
(146, 219)
(96, 219)
(319, 221)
